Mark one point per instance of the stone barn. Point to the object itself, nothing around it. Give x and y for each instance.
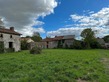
(59, 41)
(10, 38)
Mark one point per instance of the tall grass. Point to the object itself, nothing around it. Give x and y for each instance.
(54, 65)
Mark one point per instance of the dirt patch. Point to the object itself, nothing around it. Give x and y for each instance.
(105, 61)
(80, 80)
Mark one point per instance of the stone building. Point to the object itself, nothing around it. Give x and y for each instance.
(10, 38)
(28, 40)
(38, 44)
(59, 41)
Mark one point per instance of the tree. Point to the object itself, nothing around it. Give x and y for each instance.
(106, 38)
(77, 44)
(24, 45)
(88, 36)
(36, 34)
(28, 36)
(36, 37)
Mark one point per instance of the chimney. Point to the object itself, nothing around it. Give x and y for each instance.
(55, 36)
(12, 28)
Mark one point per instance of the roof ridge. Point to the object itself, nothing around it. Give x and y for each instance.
(8, 31)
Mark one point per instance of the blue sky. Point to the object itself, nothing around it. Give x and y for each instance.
(56, 17)
(61, 16)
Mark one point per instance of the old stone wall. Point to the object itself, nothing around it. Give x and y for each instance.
(15, 39)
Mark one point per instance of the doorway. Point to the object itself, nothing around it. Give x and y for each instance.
(10, 44)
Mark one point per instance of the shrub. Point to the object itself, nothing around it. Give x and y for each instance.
(9, 50)
(35, 50)
(1, 47)
(24, 45)
(95, 45)
(76, 45)
(66, 46)
(60, 44)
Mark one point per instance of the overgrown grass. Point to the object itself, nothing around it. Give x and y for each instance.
(54, 65)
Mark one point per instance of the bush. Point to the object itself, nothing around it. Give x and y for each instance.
(35, 50)
(1, 47)
(60, 45)
(24, 45)
(76, 45)
(9, 50)
(95, 45)
(66, 46)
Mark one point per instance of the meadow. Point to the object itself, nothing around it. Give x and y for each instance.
(55, 65)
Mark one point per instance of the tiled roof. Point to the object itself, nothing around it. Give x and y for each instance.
(8, 31)
(24, 38)
(69, 37)
(59, 38)
(47, 39)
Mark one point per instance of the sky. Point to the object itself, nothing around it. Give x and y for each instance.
(56, 17)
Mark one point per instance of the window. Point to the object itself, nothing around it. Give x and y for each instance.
(1, 35)
(10, 36)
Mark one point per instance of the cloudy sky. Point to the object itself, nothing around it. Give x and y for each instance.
(56, 17)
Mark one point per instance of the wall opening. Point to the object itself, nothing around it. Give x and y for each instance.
(1, 35)
(10, 44)
(10, 36)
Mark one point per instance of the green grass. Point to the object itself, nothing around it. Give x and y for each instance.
(55, 65)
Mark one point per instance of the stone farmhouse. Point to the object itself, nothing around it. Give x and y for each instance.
(59, 41)
(28, 40)
(10, 38)
(103, 43)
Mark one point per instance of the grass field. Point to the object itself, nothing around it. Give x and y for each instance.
(55, 66)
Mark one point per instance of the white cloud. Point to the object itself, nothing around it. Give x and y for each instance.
(97, 21)
(1, 22)
(65, 31)
(23, 14)
(29, 31)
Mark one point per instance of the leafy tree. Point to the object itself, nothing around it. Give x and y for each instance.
(106, 38)
(36, 37)
(95, 45)
(77, 45)
(28, 36)
(88, 36)
(24, 45)
(36, 34)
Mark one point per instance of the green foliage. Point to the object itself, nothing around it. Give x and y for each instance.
(28, 36)
(24, 45)
(106, 38)
(36, 38)
(66, 46)
(77, 45)
(87, 34)
(60, 44)
(55, 65)
(88, 37)
(1, 47)
(8, 50)
(5, 50)
(95, 45)
(35, 50)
